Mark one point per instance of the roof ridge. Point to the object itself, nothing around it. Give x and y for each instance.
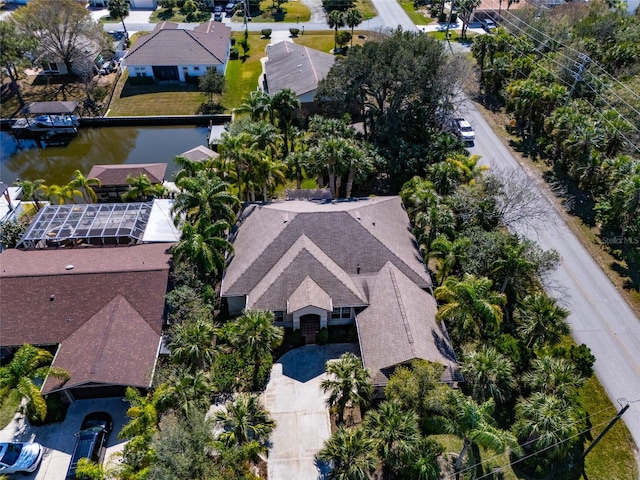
(313, 68)
(189, 32)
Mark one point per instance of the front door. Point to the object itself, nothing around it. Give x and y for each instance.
(310, 327)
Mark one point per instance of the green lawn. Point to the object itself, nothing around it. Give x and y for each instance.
(294, 11)
(8, 408)
(419, 17)
(108, 19)
(177, 15)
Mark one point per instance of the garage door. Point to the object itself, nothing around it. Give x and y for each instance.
(165, 73)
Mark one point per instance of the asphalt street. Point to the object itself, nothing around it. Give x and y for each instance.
(600, 317)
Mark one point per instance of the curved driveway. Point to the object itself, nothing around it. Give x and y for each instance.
(298, 405)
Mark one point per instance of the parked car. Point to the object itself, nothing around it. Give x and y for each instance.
(217, 17)
(108, 67)
(218, 8)
(464, 130)
(230, 8)
(19, 457)
(489, 25)
(91, 440)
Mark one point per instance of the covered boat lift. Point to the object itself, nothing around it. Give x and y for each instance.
(53, 117)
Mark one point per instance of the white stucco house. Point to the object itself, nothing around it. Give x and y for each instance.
(174, 53)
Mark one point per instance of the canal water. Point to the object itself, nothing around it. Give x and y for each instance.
(96, 146)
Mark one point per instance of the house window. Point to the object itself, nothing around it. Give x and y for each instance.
(341, 312)
(346, 312)
(140, 71)
(335, 313)
(278, 315)
(50, 67)
(195, 69)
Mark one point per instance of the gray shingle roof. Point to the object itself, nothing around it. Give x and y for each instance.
(399, 326)
(359, 236)
(309, 293)
(169, 45)
(298, 68)
(199, 154)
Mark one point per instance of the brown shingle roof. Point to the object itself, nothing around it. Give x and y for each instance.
(199, 154)
(169, 45)
(400, 326)
(296, 67)
(111, 175)
(109, 305)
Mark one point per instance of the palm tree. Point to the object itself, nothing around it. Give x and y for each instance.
(351, 453)
(141, 189)
(205, 245)
(330, 155)
(353, 19)
(554, 376)
(30, 190)
(190, 168)
(450, 253)
(193, 343)
(437, 218)
(470, 306)
(349, 384)
(258, 104)
(60, 194)
(85, 185)
(237, 152)
(546, 423)
(244, 420)
(473, 423)
(271, 173)
(335, 19)
(395, 433)
(490, 374)
(28, 364)
(143, 414)
(183, 391)
(119, 9)
(255, 333)
(284, 103)
(204, 197)
(541, 320)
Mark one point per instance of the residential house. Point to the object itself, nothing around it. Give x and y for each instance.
(99, 310)
(297, 68)
(141, 4)
(174, 53)
(113, 178)
(87, 57)
(331, 263)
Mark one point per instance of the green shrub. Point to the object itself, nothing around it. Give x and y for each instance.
(233, 41)
(56, 411)
(100, 93)
(135, 81)
(353, 334)
(11, 232)
(294, 32)
(266, 32)
(234, 53)
(454, 18)
(442, 17)
(323, 336)
(298, 339)
(191, 79)
(226, 372)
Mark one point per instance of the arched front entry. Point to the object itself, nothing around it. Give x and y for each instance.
(310, 327)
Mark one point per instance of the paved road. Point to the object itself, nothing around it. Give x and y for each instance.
(600, 317)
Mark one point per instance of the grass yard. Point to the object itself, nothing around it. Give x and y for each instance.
(420, 16)
(178, 15)
(292, 12)
(324, 40)
(612, 458)
(108, 19)
(156, 99)
(8, 407)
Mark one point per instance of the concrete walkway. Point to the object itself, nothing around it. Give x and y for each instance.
(297, 403)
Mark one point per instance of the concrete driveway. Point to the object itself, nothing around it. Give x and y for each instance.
(297, 403)
(58, 439)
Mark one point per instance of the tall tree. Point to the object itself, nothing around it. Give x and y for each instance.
(212, 83)
(255, 334)
(489, 373)
(351, 453)
(119, 9)
(193, 343)
(27, 365)
(284, 104)
(335, 20)
(353, 19)
(395, 433)
(554, 376)
(541, 320)
(348, 382)
(60, 194)
(85, 185)
(13, 47)
(244, 420)
(30, 190)
(141, 189)
(64, 29)
(471, 308)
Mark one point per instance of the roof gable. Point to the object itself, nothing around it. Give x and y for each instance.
(115, 346)
(296, 67)
(309, 294)
(169, 45)
(399, 326)
(110, 175)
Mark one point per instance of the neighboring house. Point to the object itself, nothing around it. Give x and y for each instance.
(99, 310)
(199, 154)
(297, 68)
(88, 57)
(321, 264)
(113, 178)
(173, 53)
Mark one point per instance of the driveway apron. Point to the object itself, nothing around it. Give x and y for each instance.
(297, 403)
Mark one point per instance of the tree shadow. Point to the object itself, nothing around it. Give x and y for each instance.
(165, 15)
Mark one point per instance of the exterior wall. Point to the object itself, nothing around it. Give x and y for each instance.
(191, 70)
(54, 68)
(236, 304)
(139, 71)
(144, 4)
(307, 97)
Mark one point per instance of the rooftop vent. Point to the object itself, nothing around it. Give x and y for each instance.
(52, 298)
(69, 267)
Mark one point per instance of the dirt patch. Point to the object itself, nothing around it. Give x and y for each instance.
(611, 262)
(352, 418)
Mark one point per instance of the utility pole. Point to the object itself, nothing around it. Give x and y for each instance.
(446, 34)
(607, 428)
(577, 76)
